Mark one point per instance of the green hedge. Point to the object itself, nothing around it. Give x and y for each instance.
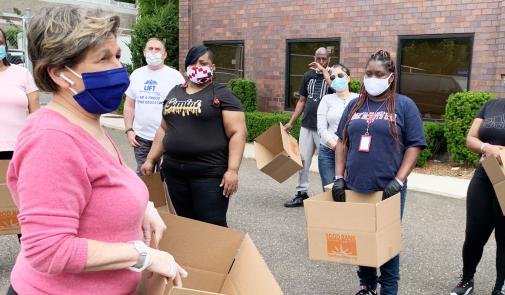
(355, 86)
(435, 138)
(459, 114)
(245, 90)
(259, 122)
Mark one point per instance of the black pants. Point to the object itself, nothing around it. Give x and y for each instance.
(483, 214)
(195, 192)
(11, 291)
(6, 155)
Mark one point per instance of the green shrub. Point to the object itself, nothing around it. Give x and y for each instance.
(163, 24)
(423, 158)
(245, 90)
(259, 122)
(435, 137)
(459, 114)
(355, 86)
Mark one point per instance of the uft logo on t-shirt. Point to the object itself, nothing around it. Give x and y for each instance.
(150, 85)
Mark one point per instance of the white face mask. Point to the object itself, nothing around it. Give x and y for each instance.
(376, 86)
(153, 59)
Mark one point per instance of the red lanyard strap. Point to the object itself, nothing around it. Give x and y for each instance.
(369, 120)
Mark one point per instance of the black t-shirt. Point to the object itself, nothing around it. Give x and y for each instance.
(195, 131)
(492, 129)
(313, 87)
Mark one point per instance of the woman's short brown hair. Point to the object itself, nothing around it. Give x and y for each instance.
(61, 36)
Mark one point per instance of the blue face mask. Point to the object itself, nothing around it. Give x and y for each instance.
(339, 84)
(103, 91)
(3, 52)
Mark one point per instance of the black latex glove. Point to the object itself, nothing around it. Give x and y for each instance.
(391, 189)
(338, 190)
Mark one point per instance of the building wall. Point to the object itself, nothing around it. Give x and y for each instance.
(362, 26)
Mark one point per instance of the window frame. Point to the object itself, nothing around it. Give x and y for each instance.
(229, 42)
(288, 60)
(403, 38)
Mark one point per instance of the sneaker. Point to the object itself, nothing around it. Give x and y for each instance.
(464, 287)
(365, 291)
(297, 201)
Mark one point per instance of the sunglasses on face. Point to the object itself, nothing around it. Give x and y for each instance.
(340, 75)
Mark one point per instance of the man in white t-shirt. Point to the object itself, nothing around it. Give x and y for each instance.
(149, 86)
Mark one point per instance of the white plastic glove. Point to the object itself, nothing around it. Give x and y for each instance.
(152, 224)
(163, 263)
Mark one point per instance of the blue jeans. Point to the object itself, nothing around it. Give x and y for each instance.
(390, 271)
(326, 162)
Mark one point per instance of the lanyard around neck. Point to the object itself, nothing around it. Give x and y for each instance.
(370, 119)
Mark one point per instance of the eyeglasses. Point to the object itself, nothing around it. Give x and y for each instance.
(340, 75)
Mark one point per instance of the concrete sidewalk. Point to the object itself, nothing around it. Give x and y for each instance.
(444, 186)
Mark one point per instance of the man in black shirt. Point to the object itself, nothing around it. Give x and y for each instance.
(316, 84)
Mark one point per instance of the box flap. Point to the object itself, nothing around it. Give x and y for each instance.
(250, 274)
(290, 145)
(6, 201)
(185, 291)
(263, 155)
(9, 223)
(388, 211)
(368, 198)
(271, 139)
(499, 189)
(322, 212)
(4, 165)
(229, 288)
(494, 170)
(200, 245)
(281, 167)
(156, 190)
(389, 241)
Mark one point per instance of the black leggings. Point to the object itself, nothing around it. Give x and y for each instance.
(195, 192)
(483, 214)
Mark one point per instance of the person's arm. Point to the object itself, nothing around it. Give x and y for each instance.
(300, 106)
(156, 150)
(33, 101)
(408, 163)
(129, 115)
(322, 124)
(235, 129)
(320, 69)
(340, 158)
(476, 145)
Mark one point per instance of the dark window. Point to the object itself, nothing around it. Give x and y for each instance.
(228, 58)
(433, 67)
(300, 53)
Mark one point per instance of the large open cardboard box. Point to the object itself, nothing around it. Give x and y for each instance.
(219, 260)
(158, 192)
(8, 211)
(496, 174)
(361, 231)
(277, 153)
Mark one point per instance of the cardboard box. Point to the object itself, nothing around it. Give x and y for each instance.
(361, 231)
(277, 153)
(158, 192)
(8, 211)
(496, 174)
(219, 260)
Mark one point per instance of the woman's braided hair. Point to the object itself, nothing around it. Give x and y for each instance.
(390, 94)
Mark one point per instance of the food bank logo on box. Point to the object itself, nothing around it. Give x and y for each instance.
(294, 148)
(8, 218)
(341, 245)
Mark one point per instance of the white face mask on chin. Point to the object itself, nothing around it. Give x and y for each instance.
(376, 86)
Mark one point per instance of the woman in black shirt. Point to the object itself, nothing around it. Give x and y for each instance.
(483, 212)
(202, 138)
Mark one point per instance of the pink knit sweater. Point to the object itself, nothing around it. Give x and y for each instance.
(69, 189)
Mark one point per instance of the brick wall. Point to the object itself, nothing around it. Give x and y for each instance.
(363, 26)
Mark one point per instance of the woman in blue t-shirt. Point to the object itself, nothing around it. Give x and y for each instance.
(380, 137)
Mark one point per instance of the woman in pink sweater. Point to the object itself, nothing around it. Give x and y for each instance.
(84, 215)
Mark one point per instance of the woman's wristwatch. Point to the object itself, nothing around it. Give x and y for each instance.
(128, 130)
(144, 258)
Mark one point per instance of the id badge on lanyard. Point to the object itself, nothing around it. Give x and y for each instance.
(365, 143)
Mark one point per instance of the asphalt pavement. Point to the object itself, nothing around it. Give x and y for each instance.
(433, 233)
